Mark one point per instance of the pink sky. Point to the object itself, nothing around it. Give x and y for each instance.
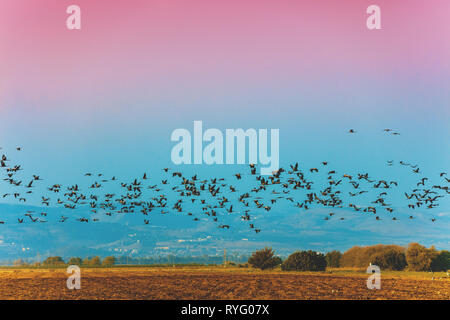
(167, 45)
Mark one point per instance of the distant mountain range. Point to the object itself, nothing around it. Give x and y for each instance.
(177, 234)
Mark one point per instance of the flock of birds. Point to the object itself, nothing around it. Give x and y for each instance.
(215, 198)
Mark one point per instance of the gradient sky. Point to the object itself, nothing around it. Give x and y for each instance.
(108, 96)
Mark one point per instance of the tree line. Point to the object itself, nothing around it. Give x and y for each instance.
(86, 262)
(414, 257)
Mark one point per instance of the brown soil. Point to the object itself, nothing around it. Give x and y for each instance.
(212, 283)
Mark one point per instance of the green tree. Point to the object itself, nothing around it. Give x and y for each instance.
(75, 261)
(109, 261)
(361, 257)
(419, 258)
(95, 261)
(305, 261)
(441, 262)
(264, 259)
(19, 262)
(390, 259)
(53, 261)
(277, 261)
(333, 259)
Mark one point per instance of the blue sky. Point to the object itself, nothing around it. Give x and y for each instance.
(86, 102)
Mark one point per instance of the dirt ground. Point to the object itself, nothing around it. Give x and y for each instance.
(215, 283)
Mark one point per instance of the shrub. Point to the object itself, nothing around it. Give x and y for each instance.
(264, 259)
(109, 261)
(19, 262)
(441, 262)
(277, 261)
(305, 261)
(75, 261)
(95, 261)
(420, 258)
(361, 257)
(389, 260)
(53, 261)
(333, 259)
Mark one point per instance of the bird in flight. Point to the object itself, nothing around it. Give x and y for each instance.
(244, 194)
